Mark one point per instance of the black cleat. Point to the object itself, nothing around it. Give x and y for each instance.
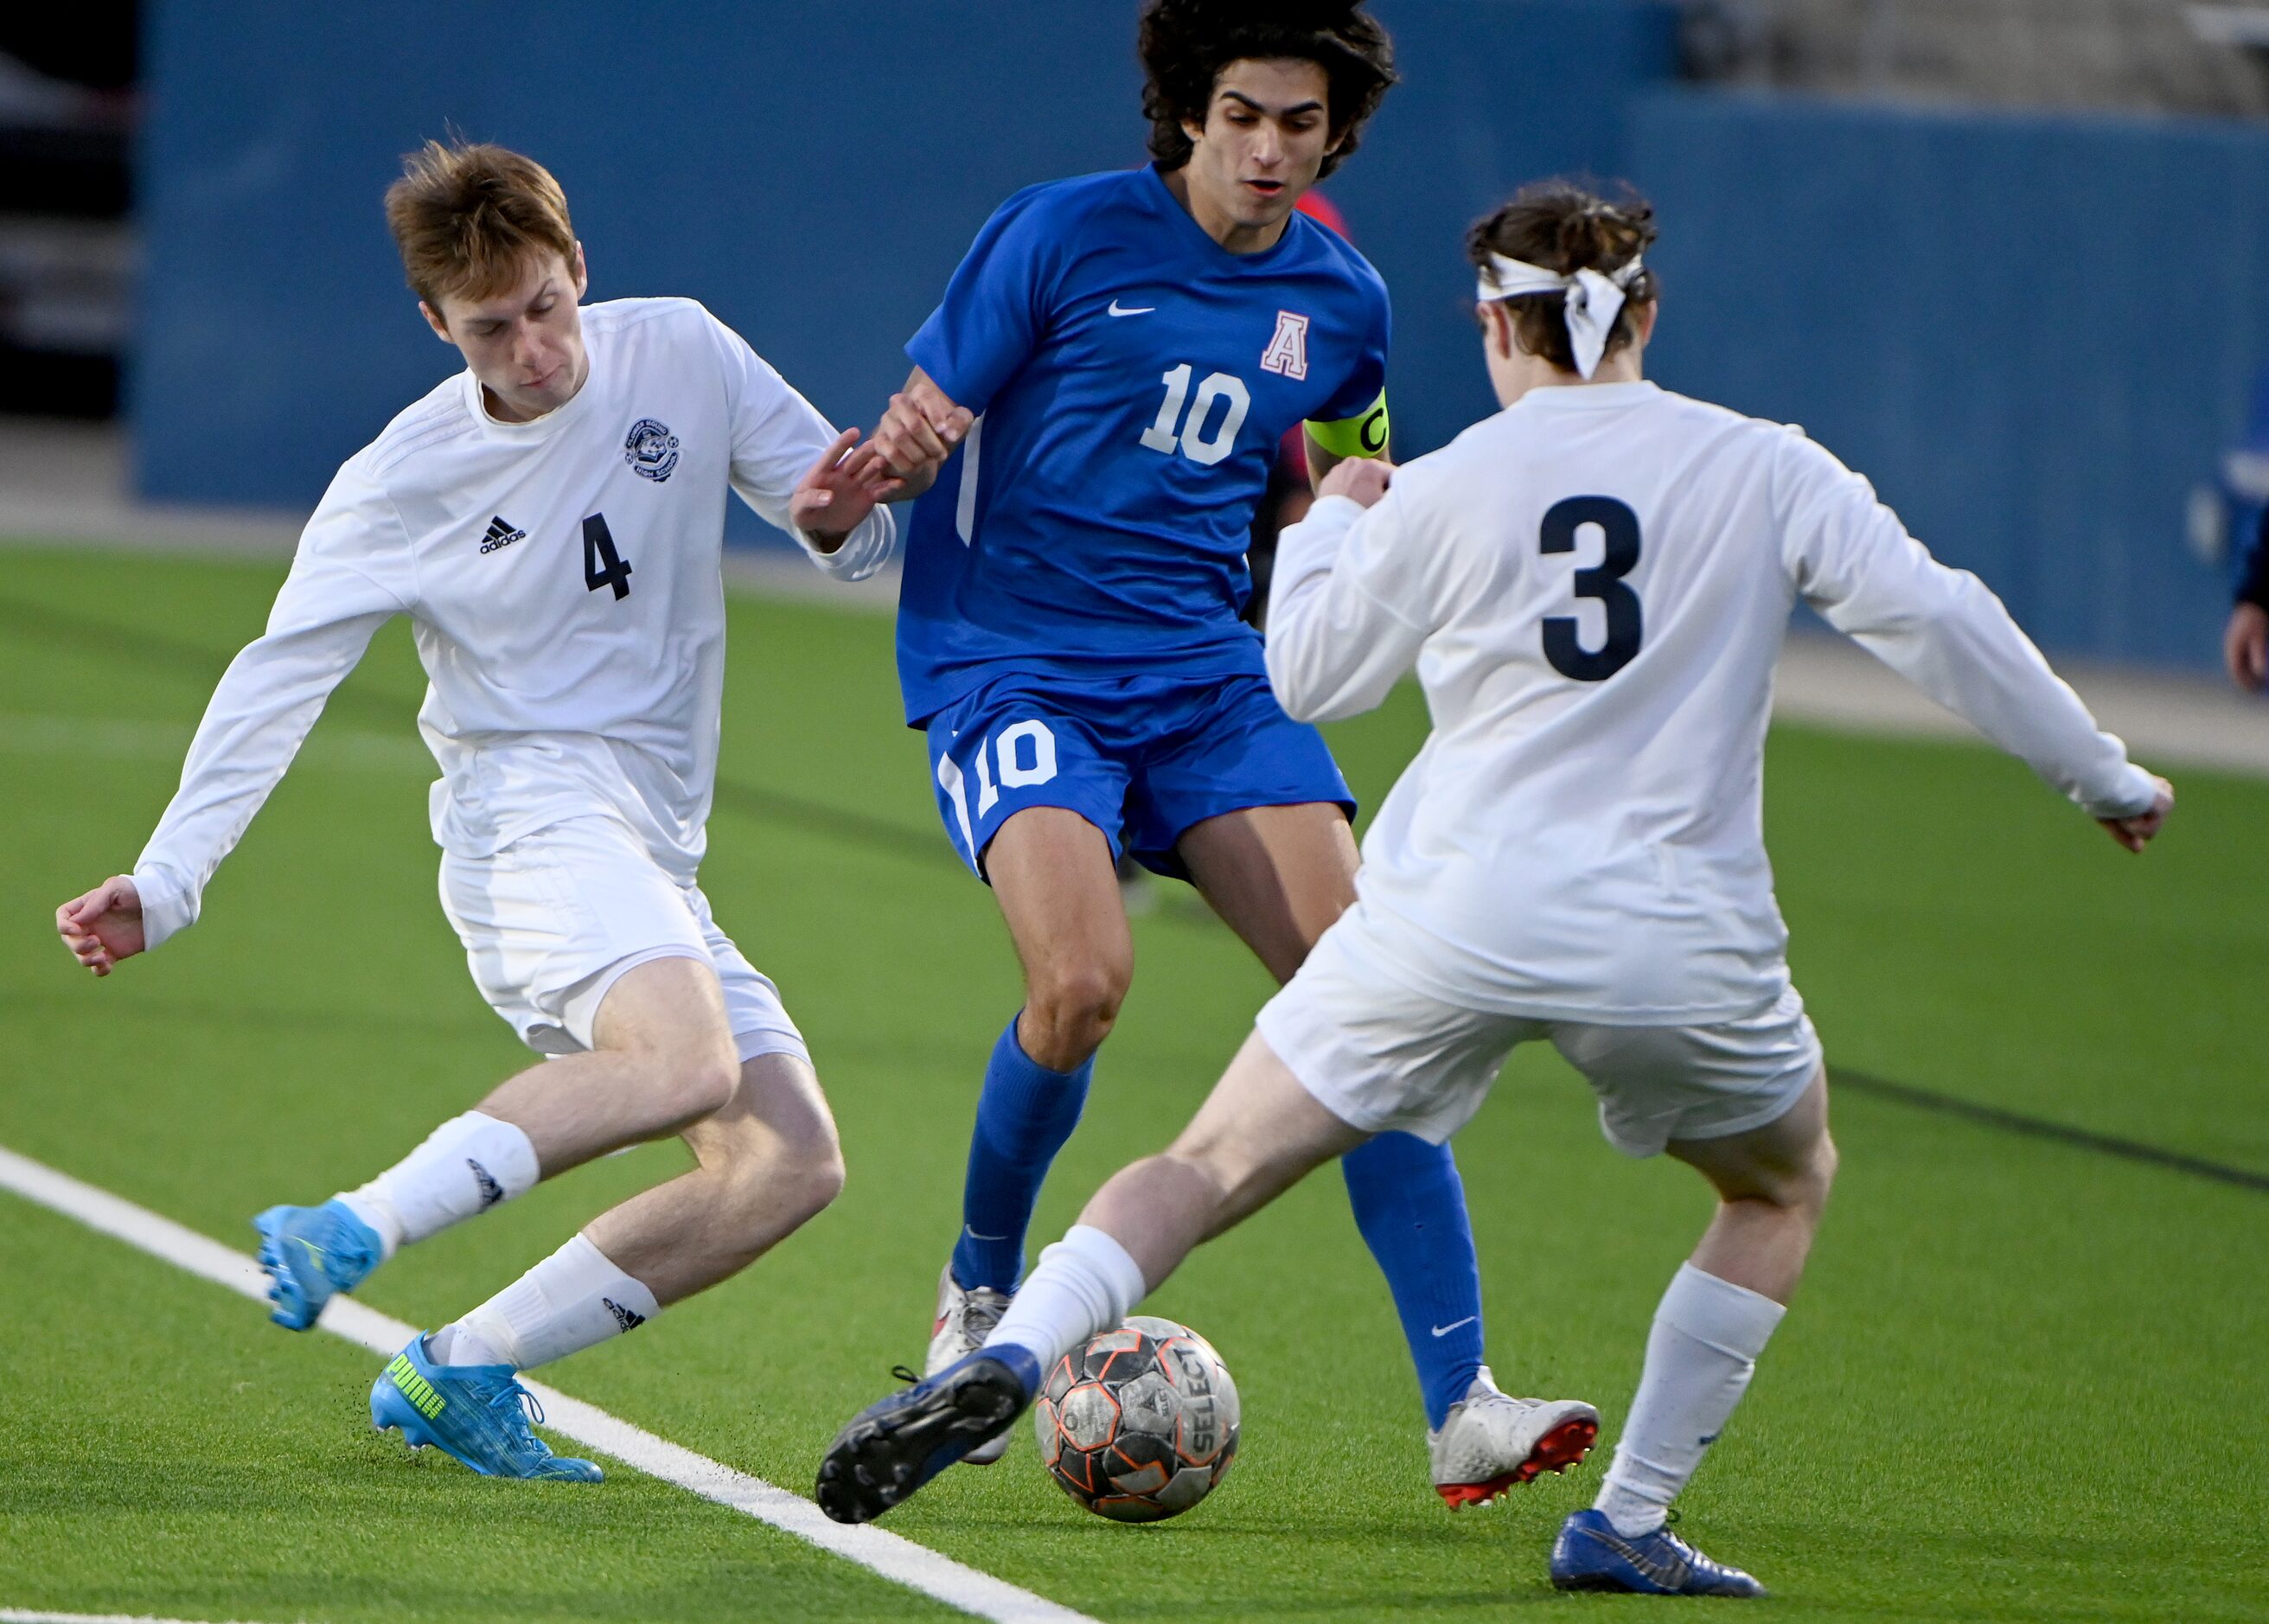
(896, 1444)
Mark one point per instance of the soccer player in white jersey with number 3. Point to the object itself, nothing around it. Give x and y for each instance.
(551, 520)
(1593, 586)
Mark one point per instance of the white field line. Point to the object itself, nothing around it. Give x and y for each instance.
(899, 1560)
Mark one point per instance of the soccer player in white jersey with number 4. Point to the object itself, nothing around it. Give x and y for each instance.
(551, 520)
(1593, 586)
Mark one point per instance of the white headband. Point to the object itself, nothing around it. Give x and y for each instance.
(1593, 300)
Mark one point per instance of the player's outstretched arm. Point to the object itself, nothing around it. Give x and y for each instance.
(1945, 632)
(920, 430)
(104, 926)
(351, 574)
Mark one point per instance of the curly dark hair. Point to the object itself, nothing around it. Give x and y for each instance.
(1567, 226)
(1187, 43)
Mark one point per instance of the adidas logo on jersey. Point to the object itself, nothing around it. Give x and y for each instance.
(501, 534)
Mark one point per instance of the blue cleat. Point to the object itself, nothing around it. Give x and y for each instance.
(310, 1252)
(1590, 1555)
(476, 1414)
(896, 1444)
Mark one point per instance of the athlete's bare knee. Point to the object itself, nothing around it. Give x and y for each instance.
(1801, 1178)
(707, 1082)
(1794, 1179)
(1069, 1011)
(1816, 1176)
(811, 1175)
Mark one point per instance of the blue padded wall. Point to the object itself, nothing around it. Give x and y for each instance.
(2035, 333)
(811, 171)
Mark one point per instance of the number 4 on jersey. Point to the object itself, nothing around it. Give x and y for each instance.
(603, 565)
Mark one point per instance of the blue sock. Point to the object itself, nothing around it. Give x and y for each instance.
(1410, 1205)
(1024, 1116)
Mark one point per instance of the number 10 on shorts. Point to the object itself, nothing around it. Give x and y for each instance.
(1025, 754)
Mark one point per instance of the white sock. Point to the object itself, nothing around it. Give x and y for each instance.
(1085, 1283)
(1700, 1355)
(573, 1299)
(466, 1166)
(459, 1344)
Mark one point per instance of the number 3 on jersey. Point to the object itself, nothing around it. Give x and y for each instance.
(603, 565)
(1604, 580)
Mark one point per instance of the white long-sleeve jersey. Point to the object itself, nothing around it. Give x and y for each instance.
(564, 578)
(1593, 585)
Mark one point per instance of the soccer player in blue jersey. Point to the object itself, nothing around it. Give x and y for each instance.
(1117, 360)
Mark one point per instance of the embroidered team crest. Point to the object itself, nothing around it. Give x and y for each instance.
(1287, 352)
(651, 450)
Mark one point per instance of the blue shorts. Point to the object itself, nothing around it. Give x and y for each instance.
(1142, 758)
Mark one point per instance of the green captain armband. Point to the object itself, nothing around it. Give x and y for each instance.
(1361, 436)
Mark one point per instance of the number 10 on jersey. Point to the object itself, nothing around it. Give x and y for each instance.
(1011, 746)
(1173, 432)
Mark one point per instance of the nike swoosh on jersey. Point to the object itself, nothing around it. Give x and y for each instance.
(1454, 1325)
(1137, 310)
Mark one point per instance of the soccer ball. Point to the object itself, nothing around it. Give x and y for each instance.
(1140, 1424)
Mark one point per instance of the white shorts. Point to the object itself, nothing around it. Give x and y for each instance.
(553, 921)
(1384, 1057)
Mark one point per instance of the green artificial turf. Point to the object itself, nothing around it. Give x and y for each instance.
(2024, 1380)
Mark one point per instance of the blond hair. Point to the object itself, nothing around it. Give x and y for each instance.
(468, 216)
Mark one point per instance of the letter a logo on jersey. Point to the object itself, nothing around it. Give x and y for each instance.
(1287, 352)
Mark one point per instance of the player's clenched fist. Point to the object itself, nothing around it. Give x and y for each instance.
(104, 926)
(1360, 479)
(2135, 832)
(918, 431)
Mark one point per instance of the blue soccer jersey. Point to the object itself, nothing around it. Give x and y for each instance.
(1132, 380)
